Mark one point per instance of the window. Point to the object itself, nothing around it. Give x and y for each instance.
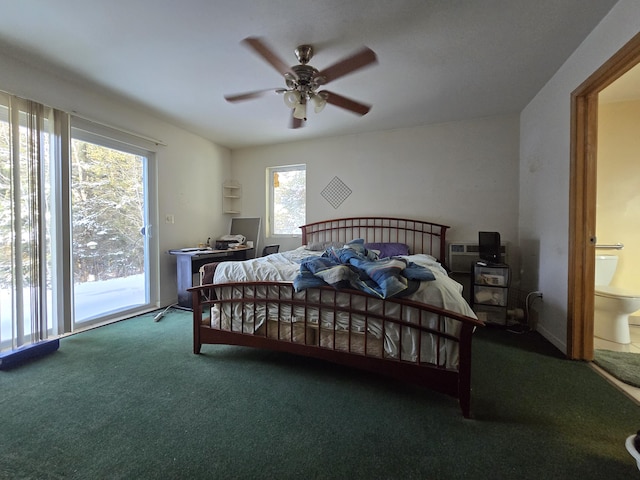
(286, 205)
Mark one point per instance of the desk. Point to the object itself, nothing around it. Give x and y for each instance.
(189, 262)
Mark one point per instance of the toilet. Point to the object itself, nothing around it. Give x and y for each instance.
(613, 305)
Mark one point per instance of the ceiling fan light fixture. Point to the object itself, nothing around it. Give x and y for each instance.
(300, 111)
(292, 98)
(319, 101)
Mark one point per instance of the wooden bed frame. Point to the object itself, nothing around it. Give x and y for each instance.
(346, 347)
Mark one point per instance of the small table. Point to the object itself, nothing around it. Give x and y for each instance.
(189, 261)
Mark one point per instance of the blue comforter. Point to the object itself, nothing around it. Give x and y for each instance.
(355, 267)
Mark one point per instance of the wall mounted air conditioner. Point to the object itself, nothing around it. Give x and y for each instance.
(463, 255)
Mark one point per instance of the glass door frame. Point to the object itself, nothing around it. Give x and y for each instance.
(112, 138)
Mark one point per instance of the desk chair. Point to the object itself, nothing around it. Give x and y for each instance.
(269, 249)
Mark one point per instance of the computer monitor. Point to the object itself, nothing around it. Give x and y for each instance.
(489, 246)
(249, 227)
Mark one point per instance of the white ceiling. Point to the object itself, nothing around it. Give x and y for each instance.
(438, 60)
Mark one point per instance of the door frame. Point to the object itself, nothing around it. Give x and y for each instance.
(582, 198)
(109, 137)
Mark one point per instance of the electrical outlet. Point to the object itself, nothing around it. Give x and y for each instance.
(169, 218)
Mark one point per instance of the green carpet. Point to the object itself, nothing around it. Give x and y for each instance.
(130, 401)
(622, 365)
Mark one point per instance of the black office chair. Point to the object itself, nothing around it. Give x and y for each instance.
(269, 249)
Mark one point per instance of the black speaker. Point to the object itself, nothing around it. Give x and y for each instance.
(489, 246)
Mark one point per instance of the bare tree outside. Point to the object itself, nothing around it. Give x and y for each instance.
(6, 209)
(289, 201)
(108, 213)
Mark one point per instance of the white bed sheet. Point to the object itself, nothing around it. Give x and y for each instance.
(277, 267)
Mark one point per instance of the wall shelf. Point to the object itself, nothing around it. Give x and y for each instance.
(231, 197)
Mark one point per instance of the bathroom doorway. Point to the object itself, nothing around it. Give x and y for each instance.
(583, 196)
(618, 198)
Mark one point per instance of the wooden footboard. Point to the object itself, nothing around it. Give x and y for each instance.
(400, 338)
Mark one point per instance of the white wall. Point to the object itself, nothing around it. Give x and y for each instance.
(544, 169)
(188, 166)
(462, 174)
(618, 206)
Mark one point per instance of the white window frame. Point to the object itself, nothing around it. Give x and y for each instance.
(270, 199)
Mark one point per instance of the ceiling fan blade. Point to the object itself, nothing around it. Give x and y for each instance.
(360, 59)
(261, 48)
(249, 95)
(347, 103)
(296, 122)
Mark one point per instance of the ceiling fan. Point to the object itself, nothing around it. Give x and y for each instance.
(303, 81)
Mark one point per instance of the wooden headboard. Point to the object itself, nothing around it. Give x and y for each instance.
(419, 235)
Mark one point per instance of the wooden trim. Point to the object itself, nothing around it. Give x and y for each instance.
(620, 63)
(582, 198)
(582, 227)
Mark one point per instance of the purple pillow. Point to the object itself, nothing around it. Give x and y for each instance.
(388, 249)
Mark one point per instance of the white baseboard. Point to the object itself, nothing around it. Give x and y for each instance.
(555, 341)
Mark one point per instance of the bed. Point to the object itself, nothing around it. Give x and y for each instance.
(420, 334)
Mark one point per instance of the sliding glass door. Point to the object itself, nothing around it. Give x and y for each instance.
(76, 199)
(110, 226)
